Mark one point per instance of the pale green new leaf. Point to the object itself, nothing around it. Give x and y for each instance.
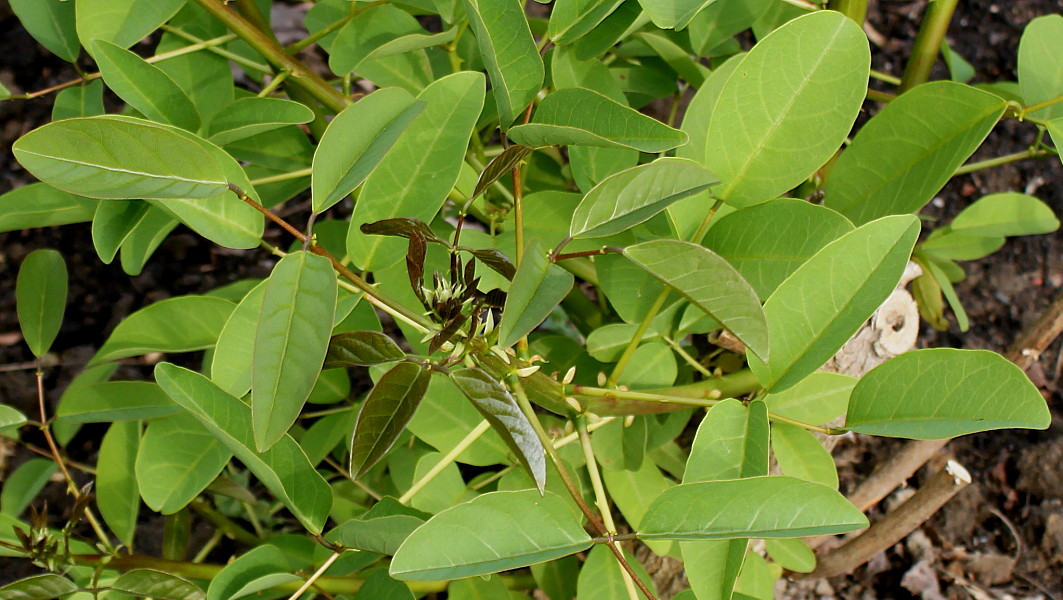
(633, 196)
(573, 19)
(508, 50)
(385, 414)
(1006, 214)
(821, 305)
(40, 298)
(120, 157)
(501, 410)
(941, 393)
(810, 75)
(443, 420)
(764, 507)
(41, 205)
(1040, 71)
(159, 585)
(251, 116)
(906, 153)
(768, 242)
(416, 175)
(711, 283)
(283, 469)
(801, 455)
(38, 587)
(582, 117)
(117, 495)
(51, 24)
(290, 342)
(537, 288)
(493, 532)
(673, 14)
(122, 22)
(10, 418)
(181, 324)
(793, 555)
(355, 142)
(177, 460)
(144, 86)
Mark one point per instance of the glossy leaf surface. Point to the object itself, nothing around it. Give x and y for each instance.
(537, 288)
(110, 157)
(808, 75)
(582, 117)
(362, 349)
(158, 585)
(764, 507)
(906, 153)
(708, 281)
(40, 297)
(283, 469)
(386, 412)
(181, 324)
(290, 342)
(940, 393)
(493, 532)
(38, 587)
(122, 22)
(144, 86)
(809, 321)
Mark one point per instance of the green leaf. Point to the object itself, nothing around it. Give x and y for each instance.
(40, 205)
(362, 349)
(355, 142)
(144, 86)
(234, 353)
(385, 413)
(290, 342)
(677, 57)
(415, 177)
(633, 196)
(283, 469)
(147, 234)
(51, 24)
(117, 494)
(85, 100)
(634, 492)
(809, 75)
(38, 587)
(444, 418)
(251, 116)
(601, 577)
(764, 507)
(709, 282)
(793, 555)
(112, 224)
(24, 484)
(958, 246)
(801, 455)
(557, 578)
(478, 588)
(158, 585)
(508, 50)
(582, 117)
(112, 157)
(122, 22)
(1006, 214)
(537, 288)
(178, 459)
(1055, 130)
(181, 324)
(572, 19)
(501, 410)
(1040, 74)
(722, 20)
(10, 418)
(237, 576)
(819, 398)
(673, 14)
(821, 305)
(383, 534)
(493, 532)
(40, 298)
(768, 242)
(906, 153)
(368, 31)
(941, 393)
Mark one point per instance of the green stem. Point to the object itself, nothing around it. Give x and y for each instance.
(224, 524)
(273, 84)
(283, 177)
(878, 96)
(301, 75)
(296, 47)
(1036, 107)
(236, 58)
(886, 77)
(636, 339)
(854, 9)
(446, 461)
(1001, 160)
(927, 43)
(690, 360)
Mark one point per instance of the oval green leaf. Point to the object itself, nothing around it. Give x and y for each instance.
(760, 507)
(709, 282)
(117, 495)
(234, 354)
(41, 205)
(906, 153)
(251, 116)
(493, 532)
(178, 459)
(144, 86)
(146, 583)
(633, 196)
(808, 75)
(51, 24)
(111, 157)
(361, 349)
(290, 342)
(182, 324)
(385, 413)
(355, 142)
(40, 298)
(1040, 73)
(582, 117)
(940, 393)
(573, 19)
(38, 587)
(10, 418)
(122, 22)
(283, 469)
(1006, 214)
(801, 455)
(537, 288)
(673, 14)
(821, 305)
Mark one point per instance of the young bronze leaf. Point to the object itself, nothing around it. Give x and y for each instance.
(401, 227)
(500, 409)
(494, 259)
(362, 349)
(499, 166)
(386, 412)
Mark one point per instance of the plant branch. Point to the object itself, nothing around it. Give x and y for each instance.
(1036, 107)
(636, 339)
(445, 461)
(927, 43)
(236, 58)
(317, 575)
(1031, 152)
(603, 250)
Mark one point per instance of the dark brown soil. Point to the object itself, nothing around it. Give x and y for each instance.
(1001, 537)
